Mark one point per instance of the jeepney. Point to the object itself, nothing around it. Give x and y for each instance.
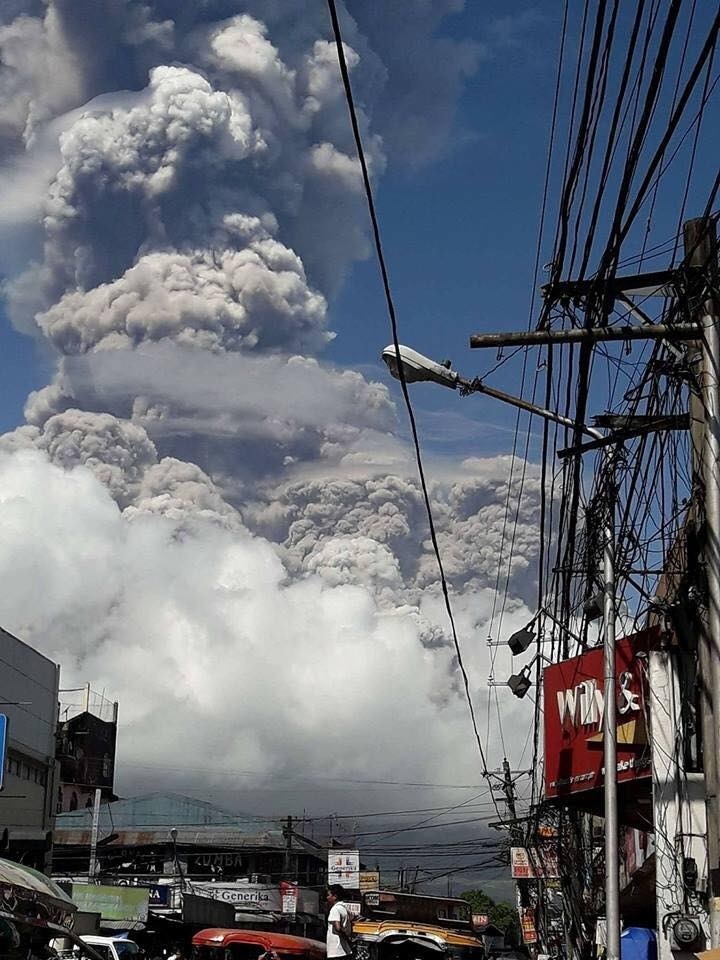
(229, 944)
(404, 926)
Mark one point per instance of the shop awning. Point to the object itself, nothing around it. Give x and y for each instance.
(35, 883)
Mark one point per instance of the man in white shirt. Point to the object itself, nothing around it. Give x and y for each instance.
(339, 930)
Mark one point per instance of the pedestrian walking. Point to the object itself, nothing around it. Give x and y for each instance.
(339, 929)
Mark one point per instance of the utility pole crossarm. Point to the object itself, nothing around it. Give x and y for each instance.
(648, 331)
(654, 283)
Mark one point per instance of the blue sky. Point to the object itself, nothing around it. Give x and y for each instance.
(460, 235)
(447, 230)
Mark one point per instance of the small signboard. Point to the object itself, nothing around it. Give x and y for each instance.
(527, 923)
(369, 880)
(159, 895)
(532, 863)
(344, 868)
(3, 747)
(258, 898)
(289, 897)
(112, 903)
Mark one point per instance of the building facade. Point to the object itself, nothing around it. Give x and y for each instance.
(29, 684)
(87, 735)
(178, 847)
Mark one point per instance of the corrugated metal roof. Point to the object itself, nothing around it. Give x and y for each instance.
(155, 810)
(147, 821)
(205, 837)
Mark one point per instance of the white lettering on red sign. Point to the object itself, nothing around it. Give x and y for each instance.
(584, 704)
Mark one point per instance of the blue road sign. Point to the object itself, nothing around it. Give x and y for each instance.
(3, 747)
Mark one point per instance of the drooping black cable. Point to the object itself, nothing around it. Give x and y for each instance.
(406, 396)
(593, 124)
(609, 151)
(621, 226)
(595, 313)
(536, 271)
(581, 140)
(656, 186)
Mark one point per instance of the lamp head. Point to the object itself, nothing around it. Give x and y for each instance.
(520, 683)
(417, 367)
(521, 640)
(594, 606)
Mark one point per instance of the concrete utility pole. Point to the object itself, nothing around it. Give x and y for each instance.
(612, 859)
(522, 887)
(287, 859)
(92, 867)
(701, 250)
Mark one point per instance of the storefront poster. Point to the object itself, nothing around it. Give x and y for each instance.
(112, 903)
(344, 868)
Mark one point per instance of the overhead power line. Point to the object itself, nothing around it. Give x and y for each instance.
(406, 396)
(295, 778)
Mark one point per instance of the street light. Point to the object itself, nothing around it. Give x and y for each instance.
(521, 640)
(177, 869)
(418, 368)
(520, 683)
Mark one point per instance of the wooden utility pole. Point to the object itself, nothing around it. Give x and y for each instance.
(516, 838)
(287, 859)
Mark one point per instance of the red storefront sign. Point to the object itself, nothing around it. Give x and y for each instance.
(527, 924)
(574, 708)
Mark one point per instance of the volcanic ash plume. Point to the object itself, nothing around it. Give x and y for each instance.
(200, 514)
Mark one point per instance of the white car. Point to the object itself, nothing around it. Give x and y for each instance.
(109, 948)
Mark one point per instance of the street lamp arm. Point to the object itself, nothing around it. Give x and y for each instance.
(407, 364)
(477, 386)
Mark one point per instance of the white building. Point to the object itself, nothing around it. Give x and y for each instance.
(29, 685)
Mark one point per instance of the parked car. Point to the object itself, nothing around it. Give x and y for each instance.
(107, 948)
